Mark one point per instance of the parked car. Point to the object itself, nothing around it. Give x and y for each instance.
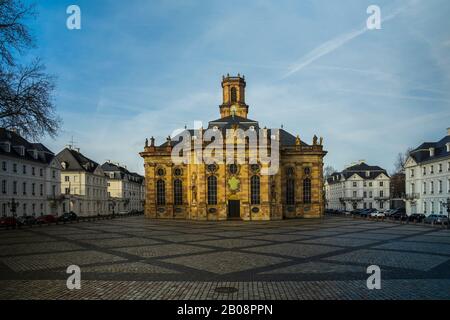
(399, 215)
(417, 217)
(377, 214)
(26, 221)
(366, 212)
(46, 219)
(68, 216)
(355, 212)
(389, 212)
(436, 219)
(8, 222)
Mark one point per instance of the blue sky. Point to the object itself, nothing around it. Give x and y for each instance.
(145, 68)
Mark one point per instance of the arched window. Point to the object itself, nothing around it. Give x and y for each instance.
(160, 193)
(255, 190)
(212, 190)
(233, 95)
(290, 191)
(178, 192)
(307, 191)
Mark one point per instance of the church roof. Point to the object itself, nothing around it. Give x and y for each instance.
(286, 139)
(230, 121)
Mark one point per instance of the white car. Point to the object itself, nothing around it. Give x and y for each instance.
(377, 214)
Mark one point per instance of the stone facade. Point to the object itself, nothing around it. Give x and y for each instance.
(242, 191)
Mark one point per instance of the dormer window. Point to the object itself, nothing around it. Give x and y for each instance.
(20, 150)
(431, 152)
(367, 173)
(6, 146)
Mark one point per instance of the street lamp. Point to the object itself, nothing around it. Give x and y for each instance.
(447, 205)
(13, 206)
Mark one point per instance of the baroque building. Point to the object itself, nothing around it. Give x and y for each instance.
(245, 185)
(359, 186)
(427, 172)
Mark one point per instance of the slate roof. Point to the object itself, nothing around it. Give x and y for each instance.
(76, 161)
(361, 170)
(422, 153)
(45, 156)
(120, 171)
(286, 139)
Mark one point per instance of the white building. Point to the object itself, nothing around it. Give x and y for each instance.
(428, 177)
(29, 177)
(126, 190)
(358, 187)
(83, 184)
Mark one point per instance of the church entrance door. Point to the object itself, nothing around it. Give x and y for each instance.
(234, 209)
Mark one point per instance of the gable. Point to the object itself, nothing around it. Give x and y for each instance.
(410, 162)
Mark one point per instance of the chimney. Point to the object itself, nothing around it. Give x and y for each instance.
(431, 152)
(448, 131)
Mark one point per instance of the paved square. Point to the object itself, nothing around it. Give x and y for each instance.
(137, 258)
(226, 262)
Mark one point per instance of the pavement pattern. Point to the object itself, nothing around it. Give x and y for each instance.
(138, 258)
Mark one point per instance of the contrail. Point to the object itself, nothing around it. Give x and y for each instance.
(333, 44)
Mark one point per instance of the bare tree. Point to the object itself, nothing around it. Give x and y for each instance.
(14, 34)
(26, 102)
(26, 92)
(328, 171)
(400, 162)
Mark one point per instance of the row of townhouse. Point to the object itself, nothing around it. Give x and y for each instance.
(35, 181)
(358, 186)
(126, 190)
(29, 176)
(427, 179)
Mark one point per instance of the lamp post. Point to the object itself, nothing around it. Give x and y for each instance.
(13, 206)
(447, 205)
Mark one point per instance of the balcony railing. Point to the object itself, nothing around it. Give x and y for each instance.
(381, 198)
(412, 196)
(352, 199)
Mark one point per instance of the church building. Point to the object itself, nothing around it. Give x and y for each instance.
(241, 188)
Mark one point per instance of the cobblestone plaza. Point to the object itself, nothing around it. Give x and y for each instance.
(137, 258)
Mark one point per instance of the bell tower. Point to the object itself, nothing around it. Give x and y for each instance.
(233, 97)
